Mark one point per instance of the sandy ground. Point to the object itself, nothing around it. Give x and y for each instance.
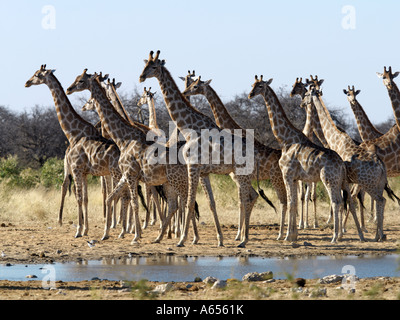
(47, 242)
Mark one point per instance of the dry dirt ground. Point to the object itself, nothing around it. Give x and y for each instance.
(46, 242)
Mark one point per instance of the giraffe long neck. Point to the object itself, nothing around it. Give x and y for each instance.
(117, 103)
(121, 131)
(365, 127)
(394, 95)
(72, 124)
(152, 113)
(312, 126)
(222, 117)
(185, 117)
(338, 141)
(282, 128)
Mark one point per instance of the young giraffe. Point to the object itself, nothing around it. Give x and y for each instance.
(89, 152)
(134, 145)
(191, 122)
(364, 167)
(303, 160)
(269, 157)
(148, 98)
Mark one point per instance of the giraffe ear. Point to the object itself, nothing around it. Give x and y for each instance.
(118, 85)
(396, 74)
(145, 61)
(320, 82)
(269, 81)
(182, 78)
(380, 75)
(207, 82)
(162, 62)
(345, 91)
(357, 92)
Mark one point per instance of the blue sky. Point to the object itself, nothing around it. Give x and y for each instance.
(226, 41)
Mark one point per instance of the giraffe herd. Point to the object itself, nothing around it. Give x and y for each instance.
(126, 153)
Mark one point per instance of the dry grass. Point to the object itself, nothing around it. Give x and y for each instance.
(41, 204)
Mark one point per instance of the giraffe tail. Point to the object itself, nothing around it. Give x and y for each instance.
(391, 194)
(141, 196)
(196, 211)
(70, 184)
(261, 191)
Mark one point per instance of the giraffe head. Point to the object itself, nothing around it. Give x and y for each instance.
(259, 87)
(83, 81)
(196, 87)
(188, 79)
(315, 83)
(351, 94)
(109, 86)
(299, 88)
(153, 67)
(147, 94)
(89, 105)
(39, 76)
(388, 77)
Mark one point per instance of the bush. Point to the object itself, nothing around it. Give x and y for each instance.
(52, 173)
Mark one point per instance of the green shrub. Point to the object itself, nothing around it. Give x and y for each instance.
(52, 173)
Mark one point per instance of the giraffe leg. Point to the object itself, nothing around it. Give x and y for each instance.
(85, 207)
(149, 199)
(302, 197)
(314, 201)
(291, 188)
(306, 203)
(115, 193)
(133, 189)
(78, 184)
(64, 188)
(205, 182)
(194, 176)
(125, 202)
(172, 207)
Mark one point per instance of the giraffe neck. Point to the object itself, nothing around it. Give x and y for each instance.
(152, 113)
(338, 141)
(72, 124)
(117, 103)
(394, 95)
(312, 125)
(121, 131)
(365, 127)
(186, 118)
(282, 128)
(222, 117)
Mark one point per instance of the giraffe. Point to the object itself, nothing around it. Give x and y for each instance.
(316, 136)
(313, 126)
(112, 95)
(364, 167)
(148, 98)
(303, 160)
(388, 144)
(393, 91)
(134, 147)
(269, 157)
(89, 152)
(190, 123)
(365, 127)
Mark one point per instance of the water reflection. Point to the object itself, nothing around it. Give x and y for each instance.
(186, 268)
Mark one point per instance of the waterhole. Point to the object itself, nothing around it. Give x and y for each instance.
(175, 268)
